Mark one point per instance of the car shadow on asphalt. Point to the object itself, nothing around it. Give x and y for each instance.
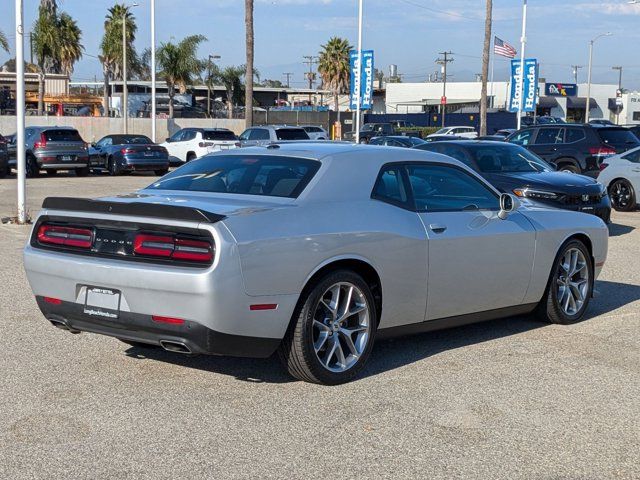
(617, 230)
(390, 354)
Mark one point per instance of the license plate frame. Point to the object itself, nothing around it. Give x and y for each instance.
(102, 302)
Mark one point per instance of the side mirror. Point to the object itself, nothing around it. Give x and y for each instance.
(167, 140)
(508, 203)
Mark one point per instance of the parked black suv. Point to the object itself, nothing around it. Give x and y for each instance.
(513, 169)
(575, 148)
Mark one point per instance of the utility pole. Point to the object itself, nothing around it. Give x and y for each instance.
(311, 76)
(20, 150)
(444, 61)
(288, 75)
(575, 69)
(619, 76)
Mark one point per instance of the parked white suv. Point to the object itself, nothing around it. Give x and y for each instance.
(190, 143)
(464, 132)
(315, 132)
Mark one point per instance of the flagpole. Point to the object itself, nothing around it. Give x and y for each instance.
(358, 99)
(523, 42)
(493, 61)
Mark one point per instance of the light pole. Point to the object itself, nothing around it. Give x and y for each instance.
(153, 71)
(523, 43)
(591, 42)
(125, 98)
(359, 71)
(618, 93)
(210, 67)
(20, 151)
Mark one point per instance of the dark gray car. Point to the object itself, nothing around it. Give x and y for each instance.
(55, 148)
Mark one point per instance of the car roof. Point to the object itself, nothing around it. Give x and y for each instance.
(470, 142)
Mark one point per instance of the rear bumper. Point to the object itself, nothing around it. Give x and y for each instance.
(141, 328)
(140, 164)
(52, 161)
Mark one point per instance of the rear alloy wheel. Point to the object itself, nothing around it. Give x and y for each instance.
(32, 169)
(333, 331)
(113, 169)
(567, 167)
(82, 172)
(623, 196)
(570, 285)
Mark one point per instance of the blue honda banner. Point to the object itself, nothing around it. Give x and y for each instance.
(362, 79)
(529, 93)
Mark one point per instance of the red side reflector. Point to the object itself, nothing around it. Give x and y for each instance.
(53, 301)
(263, 306)
(170, 320)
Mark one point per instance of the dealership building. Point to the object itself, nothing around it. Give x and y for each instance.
(566, 101)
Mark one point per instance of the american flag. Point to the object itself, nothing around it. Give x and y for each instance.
(502, 48)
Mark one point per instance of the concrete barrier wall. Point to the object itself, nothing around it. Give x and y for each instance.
(94, 128)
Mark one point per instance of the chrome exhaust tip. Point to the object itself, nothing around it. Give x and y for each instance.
(176, 347)
(62, 325)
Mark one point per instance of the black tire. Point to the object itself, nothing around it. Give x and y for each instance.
(112, 167)
(191, 156)
(82, 172)
(622, 195)
(549, 308)
(52, 173)
(162, 172)
(568, 167)
(297, 351)
(32, 169)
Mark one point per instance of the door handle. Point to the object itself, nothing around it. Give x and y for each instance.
(436, 228)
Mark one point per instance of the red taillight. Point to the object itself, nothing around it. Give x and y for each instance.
(602, 151)
(171, 247)
(154, 245)
(124, 151)
(170, 320)
(66, 236)
(53, 301)
(603, 166)
(42, 143)
(238, 144)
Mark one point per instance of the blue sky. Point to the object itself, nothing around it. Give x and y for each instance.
(409, 33)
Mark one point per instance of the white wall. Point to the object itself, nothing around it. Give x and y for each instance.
(93, 128)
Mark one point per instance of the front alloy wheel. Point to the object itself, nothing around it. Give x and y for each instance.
(623, 197)
(332, 332)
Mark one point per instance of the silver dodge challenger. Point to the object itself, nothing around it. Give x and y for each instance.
(312, 250)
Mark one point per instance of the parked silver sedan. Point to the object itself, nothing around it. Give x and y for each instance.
(312, 250)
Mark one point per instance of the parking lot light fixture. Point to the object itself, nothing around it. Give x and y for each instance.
(20, 150)
(591, 42)
(153, 71)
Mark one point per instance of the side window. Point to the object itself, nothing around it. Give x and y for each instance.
(390, 186)
(106, 141)
(259, 134)
(522, 138)
(633, 156)
(548, 136)
(574, 135)
(245, 135)
(176, 137)
(440, 188)
(189, 135)
(454, 152)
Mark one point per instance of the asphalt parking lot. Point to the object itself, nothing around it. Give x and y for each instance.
(505, 399)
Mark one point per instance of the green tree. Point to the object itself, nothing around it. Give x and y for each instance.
(179, 64)
(231, 79)
(334, 67)
(4, 42)
(111, 51)
(56, 44)
(249, 72)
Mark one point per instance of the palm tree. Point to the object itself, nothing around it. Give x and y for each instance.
(179, 64)
(56, 44)
(111, 51)
(231, 78)
(485, 68)
(334, 67)
(249, 73)
(4, 43)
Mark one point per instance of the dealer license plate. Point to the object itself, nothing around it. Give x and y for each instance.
(102, 302)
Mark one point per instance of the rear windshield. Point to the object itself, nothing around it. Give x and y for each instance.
(291, 134)
(62, 136)
(617, 135)
(130, 139)
(218, 135)
(273, 176)
(503, 159)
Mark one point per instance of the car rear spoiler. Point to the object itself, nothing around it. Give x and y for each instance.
(141, 209)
